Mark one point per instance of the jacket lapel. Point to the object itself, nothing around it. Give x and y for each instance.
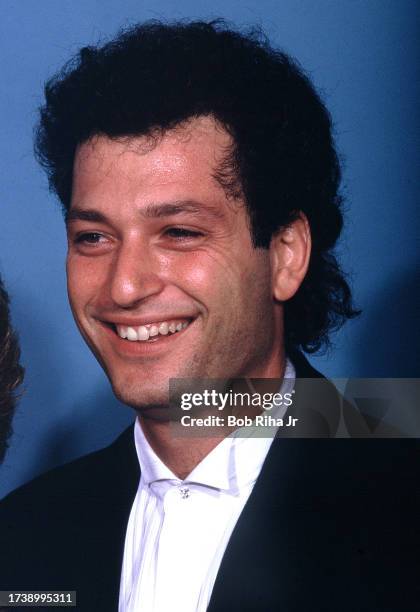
(119, 479)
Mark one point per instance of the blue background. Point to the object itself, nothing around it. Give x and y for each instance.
(363, 57)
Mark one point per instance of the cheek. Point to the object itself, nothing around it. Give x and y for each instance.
(83, 279)
(205, 276)
(197, 275)
(232, 283)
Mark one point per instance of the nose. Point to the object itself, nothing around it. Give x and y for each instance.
(134, 276)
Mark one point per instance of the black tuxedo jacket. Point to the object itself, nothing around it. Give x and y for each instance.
(331, 525)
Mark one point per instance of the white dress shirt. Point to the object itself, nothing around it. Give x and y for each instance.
(178, 530)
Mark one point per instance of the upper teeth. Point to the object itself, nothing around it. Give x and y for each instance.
(144, 332)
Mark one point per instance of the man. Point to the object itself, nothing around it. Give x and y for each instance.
(11, 372)
(199, 181)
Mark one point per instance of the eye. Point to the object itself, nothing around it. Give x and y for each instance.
(181, 233)
(89, 238)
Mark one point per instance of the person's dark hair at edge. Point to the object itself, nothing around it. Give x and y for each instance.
(157, 75)
(11, 372)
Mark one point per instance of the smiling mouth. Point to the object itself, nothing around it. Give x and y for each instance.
(151, 331)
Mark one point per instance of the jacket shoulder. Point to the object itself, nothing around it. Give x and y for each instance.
(74, 480)
(52, 529)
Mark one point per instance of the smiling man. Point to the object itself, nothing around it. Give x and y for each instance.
(162, 268)
(199, 182)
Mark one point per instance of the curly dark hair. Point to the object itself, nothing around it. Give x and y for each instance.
(11, 372)
(156, 75)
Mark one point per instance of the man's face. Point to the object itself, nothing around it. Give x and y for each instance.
(163, 279)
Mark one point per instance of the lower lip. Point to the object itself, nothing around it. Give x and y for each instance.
(143, 348)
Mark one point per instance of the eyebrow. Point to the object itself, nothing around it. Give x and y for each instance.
(151, 211)
(78, 214)
(157, 211)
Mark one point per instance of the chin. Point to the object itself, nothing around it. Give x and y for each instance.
(150, 405)
(141, 397)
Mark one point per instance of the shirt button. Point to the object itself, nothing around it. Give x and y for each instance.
(184, 492)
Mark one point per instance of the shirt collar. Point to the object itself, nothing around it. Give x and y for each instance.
(152, 468)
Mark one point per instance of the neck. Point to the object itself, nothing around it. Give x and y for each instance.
(181, 453)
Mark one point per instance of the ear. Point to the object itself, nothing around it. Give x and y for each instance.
(290, 250)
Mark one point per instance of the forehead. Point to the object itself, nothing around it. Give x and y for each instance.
(144, 168)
